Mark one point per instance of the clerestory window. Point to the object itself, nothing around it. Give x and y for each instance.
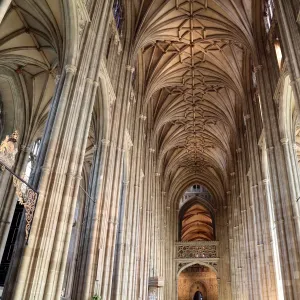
(268, 13)
(118, 14)
(32, 158)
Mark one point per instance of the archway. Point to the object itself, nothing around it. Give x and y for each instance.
(197, 282)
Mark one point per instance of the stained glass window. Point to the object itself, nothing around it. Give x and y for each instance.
(118, 14)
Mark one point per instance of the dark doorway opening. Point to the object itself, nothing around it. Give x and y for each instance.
(198, 296)
(10, 244)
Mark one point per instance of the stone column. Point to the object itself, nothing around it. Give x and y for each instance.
(281, 194)
(232, 195)
(60, 175)
(260, 213)
(145, 232)
(90, 256)
(293, 184)
(131, 210)
(286, 12)
(239, 226)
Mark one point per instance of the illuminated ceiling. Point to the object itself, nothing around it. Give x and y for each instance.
(197, 225)
(191, 60)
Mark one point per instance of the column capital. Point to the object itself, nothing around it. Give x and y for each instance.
(89, 80)
(143, 117)
(70, 69)
(130, 68)
(284, 141)
(105, 142)
(266, 180)
(156, 282)
(257, 68)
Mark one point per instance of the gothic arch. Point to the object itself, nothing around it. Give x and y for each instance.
(189, 204)
(13, 102)
(196, 262)
(38, 39)
(288, 114)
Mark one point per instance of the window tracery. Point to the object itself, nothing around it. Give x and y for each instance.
(269, 14)
(32, 159)
(118, 14)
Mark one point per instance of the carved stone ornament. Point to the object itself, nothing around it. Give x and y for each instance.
(83, 16)
(9, 149)
(197, 249)
(26, 197)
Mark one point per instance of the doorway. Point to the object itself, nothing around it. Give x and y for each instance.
(198, 296)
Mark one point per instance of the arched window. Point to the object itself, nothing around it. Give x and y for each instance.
(278, 51)
(118, 14)
(32, 158)
(268, 13)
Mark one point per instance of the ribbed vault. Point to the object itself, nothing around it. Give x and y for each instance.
(192, 64)
(197, 224)
(31, 46)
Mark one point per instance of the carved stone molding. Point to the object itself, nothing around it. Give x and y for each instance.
(128, 141)
(9, 149)
(156, 282)
(107, 83)
(83, 16)
(70, 69)
(201, 249)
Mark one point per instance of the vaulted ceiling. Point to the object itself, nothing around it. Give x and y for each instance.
(197, 224)
(192, 61)
(30, 53)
